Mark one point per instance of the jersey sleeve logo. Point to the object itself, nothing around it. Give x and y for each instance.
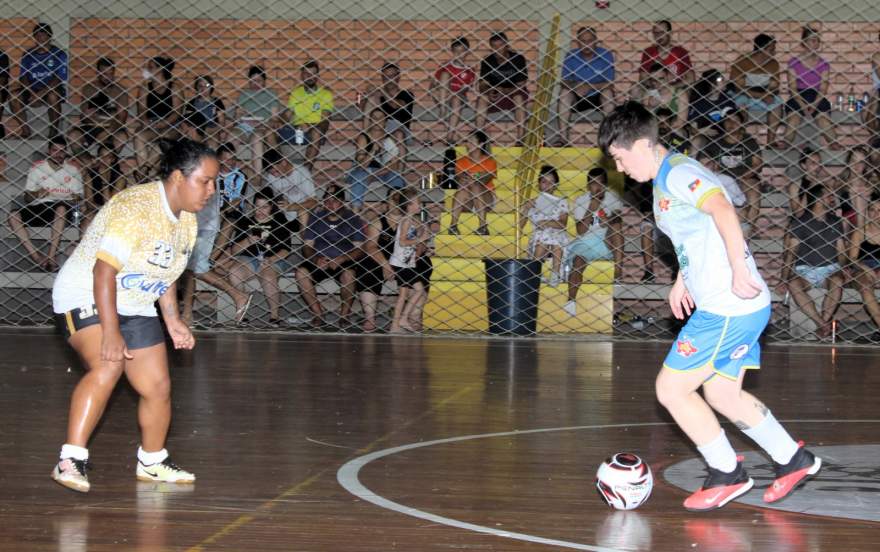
(663, 204)
(693, 186)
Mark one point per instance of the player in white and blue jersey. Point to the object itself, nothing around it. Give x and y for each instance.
(719, 286)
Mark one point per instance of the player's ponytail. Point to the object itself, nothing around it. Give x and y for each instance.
(184, 155)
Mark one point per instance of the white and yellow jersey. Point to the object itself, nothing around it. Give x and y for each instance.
(138, 235)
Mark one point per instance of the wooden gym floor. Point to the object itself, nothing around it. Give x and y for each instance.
(326, 443)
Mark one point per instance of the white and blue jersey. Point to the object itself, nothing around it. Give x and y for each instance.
(723, 332)
(680, 188)
(38, 68)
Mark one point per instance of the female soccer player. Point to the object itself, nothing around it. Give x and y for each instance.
(130, 257)
(719, 281)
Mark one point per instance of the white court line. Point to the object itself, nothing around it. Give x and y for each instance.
(347, 476)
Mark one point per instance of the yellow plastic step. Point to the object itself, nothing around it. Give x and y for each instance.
(562, 158)
(595, 310)
(456, 306)
(500, 224)
(476, 247)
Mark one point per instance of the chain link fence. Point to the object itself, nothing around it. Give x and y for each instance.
(390, 166)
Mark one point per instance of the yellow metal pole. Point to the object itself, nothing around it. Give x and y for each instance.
(530, 156)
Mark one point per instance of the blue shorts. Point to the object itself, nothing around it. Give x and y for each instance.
(728, 344)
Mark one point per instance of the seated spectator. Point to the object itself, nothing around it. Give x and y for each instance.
(395, 102)
(332, 248)
(259, 250)
(864, 250)
(4, 89)
(104, 179)
(42, 78)
(294, 186)
(814, 245)
(104, 107)
(257, 110)
(409, 235)
(756, 76)
(204, 115)
(664, 53)
(854, 187)
(678, 140)
(232, 189)
(875, 70)
(309, 107)
(373, 268)
(734, 192)
(379, 155)
(548, 214)
(809, 172)
(739, 156)
(53, 187)
(158, 111)
(504, 77)
(599, 224)
(587, 80)
(658, 91)
(200, 260)
(451, 85)
(475, 174)
(870, 117)
(809, 76)
(708, 105)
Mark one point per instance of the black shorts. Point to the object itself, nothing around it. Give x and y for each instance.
(28, 93)
(808, 96)
(139, 332)
(587, 103)
(40, 214)
(406, 277)
(319, 275)
(370, 277)
(424, 270)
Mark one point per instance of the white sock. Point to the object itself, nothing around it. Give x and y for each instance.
(75, 452)
(773, 438)
(150, 458)
(719, 454)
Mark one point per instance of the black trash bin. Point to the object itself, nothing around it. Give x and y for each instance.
(513, 287)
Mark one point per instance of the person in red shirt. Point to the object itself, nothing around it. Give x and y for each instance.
(451, 84)
(663, 52)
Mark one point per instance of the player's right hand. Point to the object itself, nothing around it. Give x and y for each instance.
(680, 300)
(113, 348)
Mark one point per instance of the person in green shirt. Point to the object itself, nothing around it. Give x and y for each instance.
(308, 107)
(258, 113)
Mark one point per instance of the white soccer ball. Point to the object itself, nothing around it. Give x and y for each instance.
(624, 481)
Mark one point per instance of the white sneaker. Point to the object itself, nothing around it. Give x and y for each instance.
(570, 307)
(72, 474)
(166, 470)
(555, 280)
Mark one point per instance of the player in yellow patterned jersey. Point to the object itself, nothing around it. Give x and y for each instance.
(130, 257)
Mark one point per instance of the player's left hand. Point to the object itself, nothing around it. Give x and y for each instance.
(744, 285)
(181, 335)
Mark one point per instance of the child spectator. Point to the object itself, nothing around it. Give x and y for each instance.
(476, 173)
(548, 214)
(409, 236)
(451, 85)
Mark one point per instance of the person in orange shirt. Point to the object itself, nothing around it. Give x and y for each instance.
(476, 176)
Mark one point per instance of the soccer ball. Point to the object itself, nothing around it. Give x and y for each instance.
(624, 481)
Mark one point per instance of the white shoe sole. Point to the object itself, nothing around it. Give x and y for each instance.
(73, 485)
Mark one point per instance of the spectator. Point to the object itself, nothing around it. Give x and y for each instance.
(380, 155)
(256, 110)
(548, 214)
(815, 245)
(294, 185)
(260, 250)
(664, 53)
(233, 189)
(451, 85)
(42, 78)
(373, 268)
(756, 76)
(309, 107)
(679, 140)
(104, 179)
(4, 89)
(875, 70)
(708, 105)
(870, 117)
(854, 187)
(599, 224)
(504, 76)
(659, 91)
(476, 173)
(395, 102)
(734, 192)
(204, 115)
(333, 247)
(158, 111)
(739, 156)
(587, 79)
(199, 265)
(424, 270)
(104, 107)
(864, 250)
(53, 187)
(809, 76)
(409, 235)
